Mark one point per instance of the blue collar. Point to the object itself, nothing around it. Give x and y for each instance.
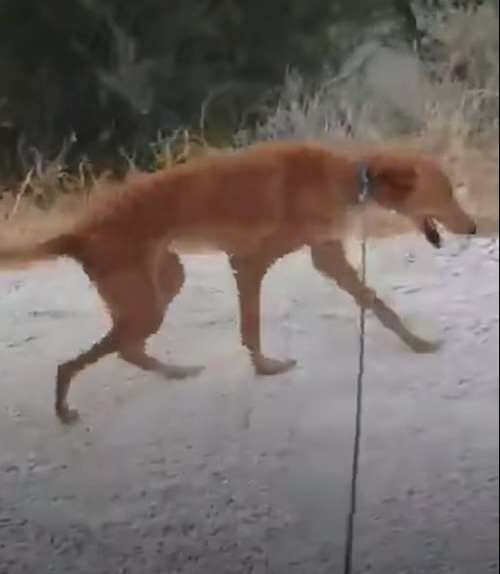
(365, 183)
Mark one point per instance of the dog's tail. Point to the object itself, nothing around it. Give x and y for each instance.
(64, 245)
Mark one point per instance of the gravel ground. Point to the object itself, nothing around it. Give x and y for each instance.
(229, 474)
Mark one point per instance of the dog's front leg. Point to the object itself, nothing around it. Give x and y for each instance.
(330, 260)
(249, 273)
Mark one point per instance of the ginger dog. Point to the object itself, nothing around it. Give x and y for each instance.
(257, 206)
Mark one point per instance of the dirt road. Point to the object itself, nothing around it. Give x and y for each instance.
(228, 474)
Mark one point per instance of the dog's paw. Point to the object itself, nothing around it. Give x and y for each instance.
(267, 366)
(422, 346)
(68, 416)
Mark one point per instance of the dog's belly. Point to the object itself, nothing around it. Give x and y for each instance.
(230, 239)
(243, 241)
(185, 247)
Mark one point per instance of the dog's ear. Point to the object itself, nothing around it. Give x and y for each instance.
(393, 180)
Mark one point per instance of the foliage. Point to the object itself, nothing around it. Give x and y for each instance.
(104, 76)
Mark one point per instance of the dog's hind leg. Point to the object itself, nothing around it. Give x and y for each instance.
(330, 260)
(168, 279)
(129, 295)
(136, 305)
(68, 370)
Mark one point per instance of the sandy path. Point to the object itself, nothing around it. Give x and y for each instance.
(226, 474)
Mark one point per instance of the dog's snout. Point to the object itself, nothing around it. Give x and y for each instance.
(473, 229)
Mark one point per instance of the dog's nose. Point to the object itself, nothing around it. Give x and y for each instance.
(473, 229)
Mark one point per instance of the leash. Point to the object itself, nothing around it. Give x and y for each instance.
(365, 189)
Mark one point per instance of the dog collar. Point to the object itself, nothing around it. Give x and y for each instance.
(365, 183)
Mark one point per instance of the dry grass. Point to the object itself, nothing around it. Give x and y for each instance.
(49, 200)
(385, 97)
(382, 96)
(475, 171)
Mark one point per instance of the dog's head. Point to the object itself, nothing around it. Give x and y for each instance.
(421, 191)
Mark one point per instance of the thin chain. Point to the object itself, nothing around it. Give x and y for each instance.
(348, 550)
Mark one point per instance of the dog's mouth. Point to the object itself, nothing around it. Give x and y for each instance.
(431, 232)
